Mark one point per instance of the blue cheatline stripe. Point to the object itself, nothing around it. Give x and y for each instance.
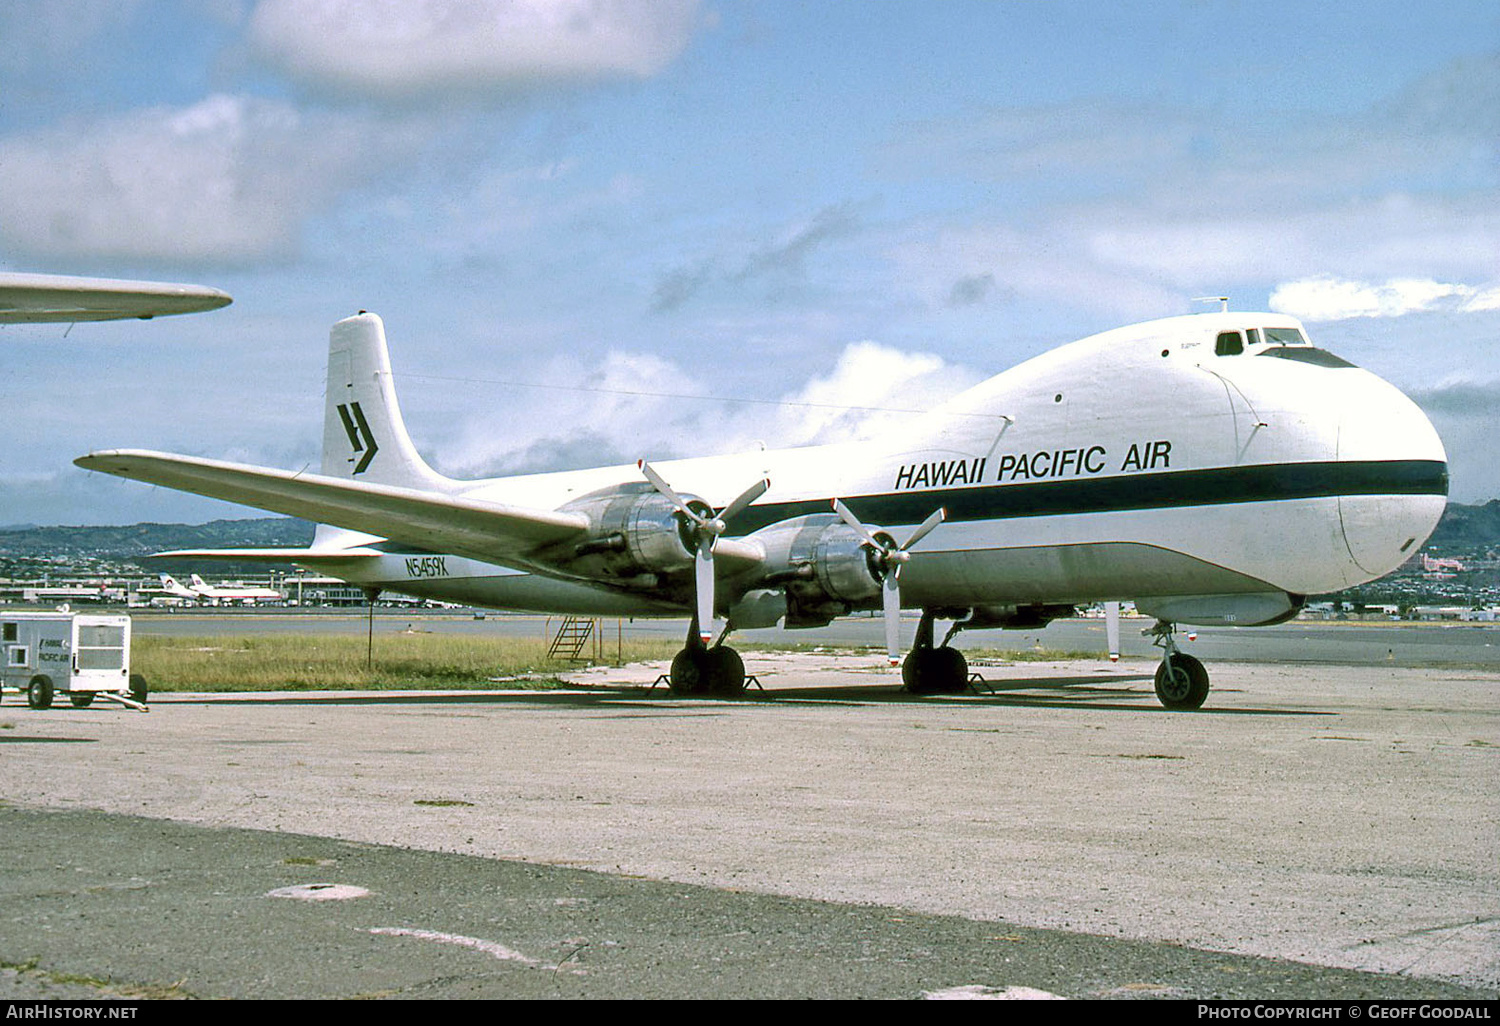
(1269, 482)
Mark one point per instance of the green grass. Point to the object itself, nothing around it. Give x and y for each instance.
(331, 662)
(306, 662)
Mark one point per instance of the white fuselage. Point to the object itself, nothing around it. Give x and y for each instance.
(1134, 464)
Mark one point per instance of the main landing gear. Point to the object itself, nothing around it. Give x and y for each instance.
(701, 669)
(934, 669)
(1181, 680)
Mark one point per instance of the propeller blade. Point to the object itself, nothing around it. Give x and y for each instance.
(703, 580)
(661, 485)
(890, 599)
(752, 493)
(848, 517)
(925, 528)
(1112, 629)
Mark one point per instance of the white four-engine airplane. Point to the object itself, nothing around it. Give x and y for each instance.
(232, 592)
(199, 589)
(1214, 468)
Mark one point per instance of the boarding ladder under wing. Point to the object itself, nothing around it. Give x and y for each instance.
(571, 637)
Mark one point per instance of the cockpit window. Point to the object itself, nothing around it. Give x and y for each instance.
(1253, 334)
(1229, 344)
(1285, 336)
(1306, 354)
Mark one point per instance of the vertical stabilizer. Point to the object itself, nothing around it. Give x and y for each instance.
(364, 437)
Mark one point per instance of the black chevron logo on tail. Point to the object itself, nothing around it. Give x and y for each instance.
(361, 439)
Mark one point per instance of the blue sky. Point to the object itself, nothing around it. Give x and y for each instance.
(577, 217)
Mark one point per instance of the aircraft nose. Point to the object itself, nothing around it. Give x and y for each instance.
(1398, 474)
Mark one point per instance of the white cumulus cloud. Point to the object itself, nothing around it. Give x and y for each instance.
(405, 48)
(1337, 299)
(229, 179)
(636, 405)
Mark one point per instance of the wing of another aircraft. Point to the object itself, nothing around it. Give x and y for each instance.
(447, 523)
(57, 298)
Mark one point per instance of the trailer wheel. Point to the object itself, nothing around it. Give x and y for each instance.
(81, 699)
(138, 688)
(39, 693)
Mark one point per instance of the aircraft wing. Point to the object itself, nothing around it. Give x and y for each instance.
(42, 298)
(488, 531)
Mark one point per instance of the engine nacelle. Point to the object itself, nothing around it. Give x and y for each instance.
(634, 530)
(1259, 609)
(824, 566)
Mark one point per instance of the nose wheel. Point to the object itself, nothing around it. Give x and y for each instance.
(1181, 680)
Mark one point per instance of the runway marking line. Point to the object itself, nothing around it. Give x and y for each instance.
(979, 992)
(492, 948)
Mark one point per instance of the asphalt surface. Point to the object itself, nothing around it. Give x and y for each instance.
(176, 911)
(1313, 833)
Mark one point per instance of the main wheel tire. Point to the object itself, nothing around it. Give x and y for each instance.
(935, 671)
(725, 671)
(138, 689)
(914, 673)
(39, 693)
(689, 672)
(952, 671)
(81, 699)
(1185, 686)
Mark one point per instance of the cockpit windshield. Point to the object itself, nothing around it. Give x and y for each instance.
(1233, 343)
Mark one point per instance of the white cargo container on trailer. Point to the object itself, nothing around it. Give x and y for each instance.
(80, 655)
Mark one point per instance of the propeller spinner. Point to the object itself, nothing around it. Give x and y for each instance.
(890, 557)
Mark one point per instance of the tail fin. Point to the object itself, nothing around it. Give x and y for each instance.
(171, 586)
(364, 437)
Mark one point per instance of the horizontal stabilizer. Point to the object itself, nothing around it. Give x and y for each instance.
(435, 521)
(286, 555)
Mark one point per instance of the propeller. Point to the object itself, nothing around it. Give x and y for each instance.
(706, 529)
(889, 558)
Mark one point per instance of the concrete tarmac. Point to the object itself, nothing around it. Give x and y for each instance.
(1313, 832)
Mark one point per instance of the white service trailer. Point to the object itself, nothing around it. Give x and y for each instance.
(81, 655)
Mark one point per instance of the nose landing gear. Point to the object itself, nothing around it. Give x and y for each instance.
(1181, 680)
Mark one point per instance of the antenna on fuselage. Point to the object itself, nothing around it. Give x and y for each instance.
(1223, 301)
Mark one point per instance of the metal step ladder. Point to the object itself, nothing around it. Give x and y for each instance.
(571, 637)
